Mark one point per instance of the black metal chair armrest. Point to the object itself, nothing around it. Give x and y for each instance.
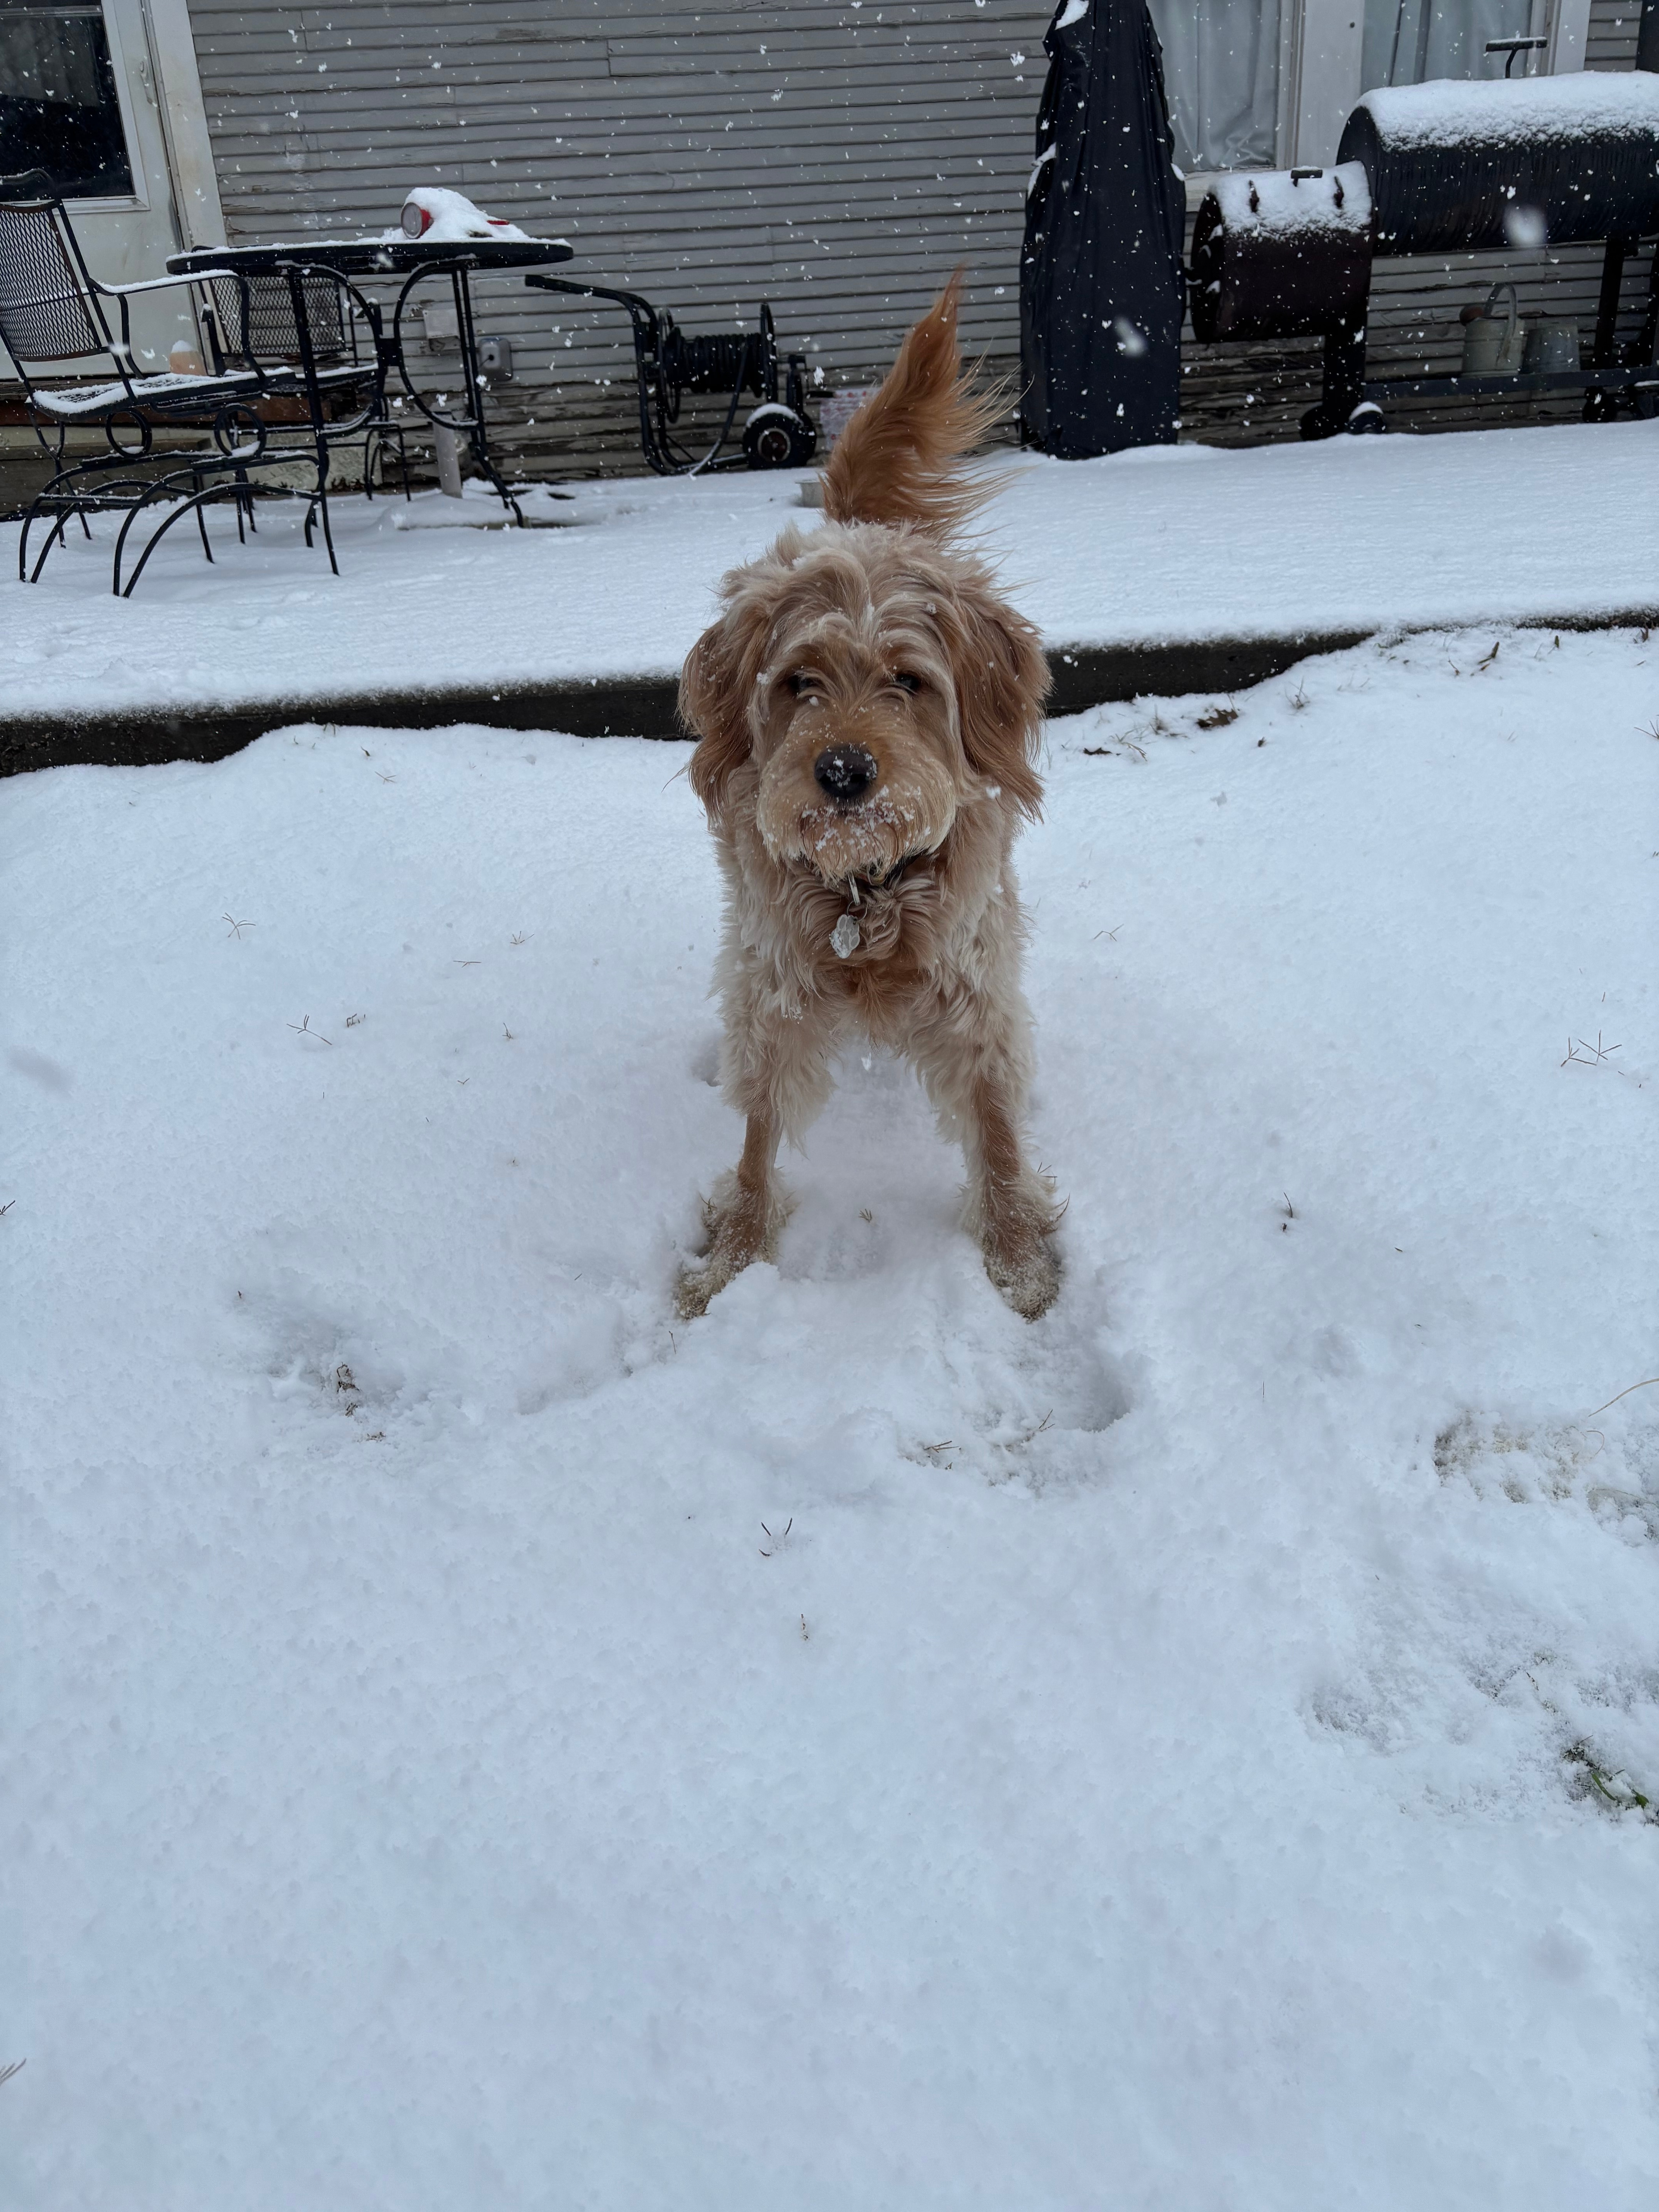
(149, 284)
(209, 315)
(120, 293)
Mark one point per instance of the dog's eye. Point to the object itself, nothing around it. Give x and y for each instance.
(908, 682)
(802, 684)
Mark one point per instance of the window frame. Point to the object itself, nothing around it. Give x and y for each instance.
(138, 199)
(1320, 65)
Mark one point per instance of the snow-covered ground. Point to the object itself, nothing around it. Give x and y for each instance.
(474, 1740)
(1168, 543)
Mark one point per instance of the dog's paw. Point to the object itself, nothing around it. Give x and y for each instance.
(733, 1247)
(697, 1286)
(1027, 1275)
(742, 1226)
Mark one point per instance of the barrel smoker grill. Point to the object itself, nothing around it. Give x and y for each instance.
(1281, 254)
(1439, 169)
(669, 362)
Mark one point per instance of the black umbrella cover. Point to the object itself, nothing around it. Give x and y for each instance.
(1101, 288)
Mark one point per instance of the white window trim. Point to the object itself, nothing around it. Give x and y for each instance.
(183, 122)
(167, 64)
(122, 71)
(1569, 35)
(1319, 76)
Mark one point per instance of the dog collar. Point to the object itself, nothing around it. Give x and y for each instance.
(845, 937)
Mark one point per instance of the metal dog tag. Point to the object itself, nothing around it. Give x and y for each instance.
(845, 937)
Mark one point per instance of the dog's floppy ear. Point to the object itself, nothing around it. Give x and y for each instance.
(711, 706)
(1002, 680)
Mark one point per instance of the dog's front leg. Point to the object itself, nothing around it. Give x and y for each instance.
(976, 1072)
(776, 1071)
(1011, 1205)
(742, 1217)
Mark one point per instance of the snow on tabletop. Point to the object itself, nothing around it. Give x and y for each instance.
(1448, 112)
(472, 1739)
(441, 216)
(1287, 200)
(1167, 543)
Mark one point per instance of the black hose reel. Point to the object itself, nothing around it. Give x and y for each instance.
(670, 363)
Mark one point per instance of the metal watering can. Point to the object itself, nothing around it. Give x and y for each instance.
(1551, 344)
(1494, 344)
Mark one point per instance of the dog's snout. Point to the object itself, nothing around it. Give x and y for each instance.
(845, 772)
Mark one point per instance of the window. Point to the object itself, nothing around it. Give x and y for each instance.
(1257, 84)
(1412, 41)
(1221, 72)
(58, 107)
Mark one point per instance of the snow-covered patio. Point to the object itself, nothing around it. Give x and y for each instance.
(1173, 543)
(476, 1740)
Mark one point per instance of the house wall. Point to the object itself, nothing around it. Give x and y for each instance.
(838, 160)
(1612, 40)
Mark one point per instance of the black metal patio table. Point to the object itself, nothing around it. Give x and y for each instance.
(417, 261)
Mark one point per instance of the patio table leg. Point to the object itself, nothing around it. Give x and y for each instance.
(476, 430)
(471, 423)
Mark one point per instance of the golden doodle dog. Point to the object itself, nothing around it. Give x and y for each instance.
(868, 710)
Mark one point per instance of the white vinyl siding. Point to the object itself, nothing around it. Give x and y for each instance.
(1611, 43)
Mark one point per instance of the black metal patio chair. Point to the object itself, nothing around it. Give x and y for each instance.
(257, 319)
(53, 313)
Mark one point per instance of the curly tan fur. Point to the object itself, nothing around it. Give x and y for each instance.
(897, 459)
(876, 634)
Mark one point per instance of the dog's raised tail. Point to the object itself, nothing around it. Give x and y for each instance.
(898, 459)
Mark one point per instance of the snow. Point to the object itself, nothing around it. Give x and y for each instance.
(1164, 544)
(445, 217)
(71, 400)
(1525, 111)
(1288, 201)
(472, 1739)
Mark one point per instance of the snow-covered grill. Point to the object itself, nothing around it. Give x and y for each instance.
(1281, 254)
(1461, 168)
(1437, 169)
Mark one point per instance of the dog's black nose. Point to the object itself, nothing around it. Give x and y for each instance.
(845, 771)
